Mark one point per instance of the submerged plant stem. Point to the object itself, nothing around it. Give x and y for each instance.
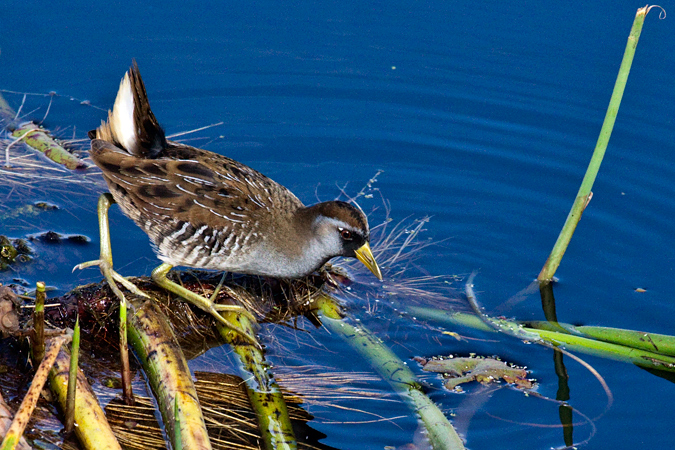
(584, 195)
(152, 337)
(610, 343)
(263, 391)
(441, 433)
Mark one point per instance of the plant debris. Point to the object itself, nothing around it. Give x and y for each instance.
(485, 370)
(52, 237)
(13, 250)
(9, 317)
(30, 210)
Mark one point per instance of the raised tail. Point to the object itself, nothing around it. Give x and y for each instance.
(131, 124)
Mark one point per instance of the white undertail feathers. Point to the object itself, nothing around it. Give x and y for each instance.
(120, 127)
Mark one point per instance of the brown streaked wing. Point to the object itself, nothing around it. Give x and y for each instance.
(187, 189)
(232, 188)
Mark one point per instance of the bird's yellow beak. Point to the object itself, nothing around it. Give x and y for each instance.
(365, 255)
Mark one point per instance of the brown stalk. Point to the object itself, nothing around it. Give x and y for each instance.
(30, 399)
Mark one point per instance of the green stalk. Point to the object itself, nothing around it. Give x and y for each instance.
(584, 194)
(177, 438)
(263, 391)
(92, 430)
(441, 433)
(551, 335)
(152, 337)
(72, 377)
(652, 342)
(127, 391)
(449, 317)
(39, 323)
(608, 350)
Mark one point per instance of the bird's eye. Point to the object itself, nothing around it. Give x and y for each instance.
(345, 234)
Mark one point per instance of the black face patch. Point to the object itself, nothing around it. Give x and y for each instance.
(356, 242)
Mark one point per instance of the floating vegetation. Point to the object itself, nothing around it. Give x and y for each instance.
(36, 137)
(52, 237)
(485, 370)
(32, 210)
(13, 251)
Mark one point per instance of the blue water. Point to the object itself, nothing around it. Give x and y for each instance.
(481, 115)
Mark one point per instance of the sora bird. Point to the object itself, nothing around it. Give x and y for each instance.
(204, 210)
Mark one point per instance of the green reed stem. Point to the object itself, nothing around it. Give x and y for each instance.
(177, 438)
(441, 433)
(584, 194)
(651, 342)
(92, 431)
(155, 344)
(263, 391)
(39, 323)
(616, 344)
(72, 377)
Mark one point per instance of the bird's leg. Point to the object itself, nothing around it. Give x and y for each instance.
(105, 265)
(206, 304)
(105, 259)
